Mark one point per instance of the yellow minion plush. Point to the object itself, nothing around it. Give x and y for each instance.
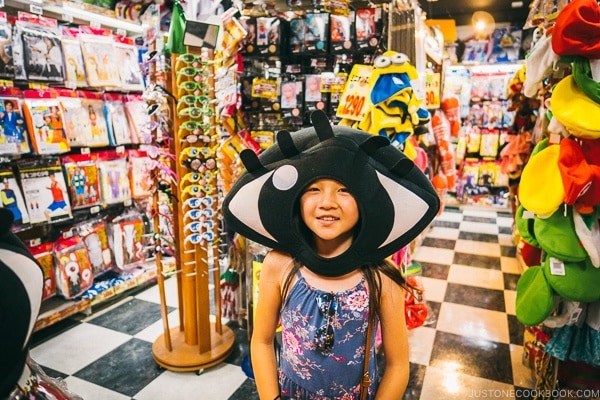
(395, 107)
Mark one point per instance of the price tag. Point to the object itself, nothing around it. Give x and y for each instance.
(36, 9)
(95, 210)
(1, 3)
(557, 267)
(67, 18)
(127, 202)
(85, 150)
(120, 149)
(121, 32)
(95, 24)
(355, 101)
(432, 91)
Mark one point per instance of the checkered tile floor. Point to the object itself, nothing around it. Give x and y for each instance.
(472, 348)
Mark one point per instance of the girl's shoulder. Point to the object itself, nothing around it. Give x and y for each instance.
(277, 264)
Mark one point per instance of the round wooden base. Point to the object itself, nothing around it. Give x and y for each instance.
(185, 357)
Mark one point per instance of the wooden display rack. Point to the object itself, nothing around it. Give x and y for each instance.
(197, 343)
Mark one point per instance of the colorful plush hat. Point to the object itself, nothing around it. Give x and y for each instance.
(21, 285)
(535, 298)
(396, 201)
(541, 190)
(577, 30)
(579, 165)
(556, 236)
(540, 64)
(575, 110)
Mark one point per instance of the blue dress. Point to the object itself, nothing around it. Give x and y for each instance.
(310, 372)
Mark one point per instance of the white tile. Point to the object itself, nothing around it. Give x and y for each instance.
(510, 298)
(473, 322)
(420, 344)
(434, 255)
(440, 232)
(152, 294)
(505, 221)
(88, 390)
(435, 289)
(479, 227)
(450, 216)
(216, 383)
(477, 247)
(510, 265)
(480, 277)
(77, 347)
(506, 240)
(523, 376)
(152, 332)
(449, 383)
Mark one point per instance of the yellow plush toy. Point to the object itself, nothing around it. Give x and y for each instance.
(395, 104)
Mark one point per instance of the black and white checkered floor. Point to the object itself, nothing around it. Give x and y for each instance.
(472, 349)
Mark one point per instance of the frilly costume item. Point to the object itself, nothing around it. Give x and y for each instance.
(396, 201)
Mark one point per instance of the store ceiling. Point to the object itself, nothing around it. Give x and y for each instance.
(461, 11)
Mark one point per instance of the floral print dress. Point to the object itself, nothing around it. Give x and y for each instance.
(306, 370)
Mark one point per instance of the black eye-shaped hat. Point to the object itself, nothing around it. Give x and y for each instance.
(396, 200)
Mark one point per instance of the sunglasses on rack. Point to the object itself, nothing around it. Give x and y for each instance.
(196, 215)
(324, 336)
(197, 202)
(199, 226)
(200, 238)
(192, 87)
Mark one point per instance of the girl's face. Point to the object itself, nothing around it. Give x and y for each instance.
(331, 213)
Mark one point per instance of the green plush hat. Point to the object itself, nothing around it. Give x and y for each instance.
(525, 227)
(557, 237)
(580, 282)
(535, 299)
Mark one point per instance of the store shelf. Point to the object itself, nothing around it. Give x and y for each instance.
(56, 309)
(76, 13)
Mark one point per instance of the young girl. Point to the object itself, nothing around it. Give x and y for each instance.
(332, 210)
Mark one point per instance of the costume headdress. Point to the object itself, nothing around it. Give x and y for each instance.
(396, 200)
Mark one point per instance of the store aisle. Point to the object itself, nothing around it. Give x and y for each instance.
(472, 349)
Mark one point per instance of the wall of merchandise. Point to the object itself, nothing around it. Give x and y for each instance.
(486, 125)
(89, 119)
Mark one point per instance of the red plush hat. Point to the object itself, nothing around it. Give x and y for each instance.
(579, 166)
(577, 30)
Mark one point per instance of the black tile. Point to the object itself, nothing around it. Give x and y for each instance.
(489, 299)
(478, 237)
(246, 391)
(127, 369)
(450, 209)
(433, 307)
(510, 281)
(476, 260)
(515, 330)
(415, 382)
(433, 270)
(508, 251)
(439, 243)
(241, 345)
(483, 220)
(505, 230)
(446, 224)
(473, 356)
(130, 317)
